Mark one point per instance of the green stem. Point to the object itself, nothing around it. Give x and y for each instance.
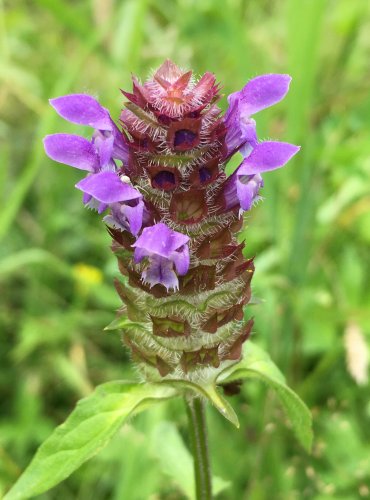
(199, 444)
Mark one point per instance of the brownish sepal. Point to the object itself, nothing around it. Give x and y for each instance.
(234, 351)
(138, 355)
(183, 135)
(121, 252)
(163, 367)
(137, 96)
(207, 357)
(216, 247)
(141, 143)
(170, 326)
(189, 207)
(207, 89)
(122, 266)
(238, 266)
(179, 85)
(218, 133)
(123, 238)
(155, 361)
(205, 174)
(198, 279)
(220, 318)
(133, 312)
(236, 226)
(154, 173)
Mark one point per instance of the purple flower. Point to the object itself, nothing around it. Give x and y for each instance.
(247, 187)
(109, 190)
(84, 109)
(127, 216)
(167, 251)
(259, 93)
(95, 156)
(102, 187)
(243, 186)
(242, 190)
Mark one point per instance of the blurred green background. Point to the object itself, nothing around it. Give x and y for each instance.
(311, 237)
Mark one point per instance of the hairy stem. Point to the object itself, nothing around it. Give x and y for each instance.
(199, 444)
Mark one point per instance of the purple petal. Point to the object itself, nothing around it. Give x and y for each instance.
(267, 156)
(230, 193)
(82, 109)
(181, 260)
(104, 145)
(72, 150)
(165, 249)
(241, 132)
(260, 93)
(160, 271)
(134, 216)
(86, 198)
(102, 207)
(160, 240)
(126, 216)
(107, 187)
(247, 187)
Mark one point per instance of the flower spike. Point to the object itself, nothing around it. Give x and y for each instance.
(173, 213)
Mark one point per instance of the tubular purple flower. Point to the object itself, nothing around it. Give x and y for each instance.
(244, 184)
(264, 157)
(84, 109)
(128, 216)
(104, 187)
(241, 135)
(259, 93)
(107, 188)
(242, 191)
(166, 250)
(247, 188)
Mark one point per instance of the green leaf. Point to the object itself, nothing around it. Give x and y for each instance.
(256, 363)
(176, 460)
(86, 431)
(123, 323)
(209, 392)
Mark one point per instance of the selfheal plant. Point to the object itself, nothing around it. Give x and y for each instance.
(174, 217)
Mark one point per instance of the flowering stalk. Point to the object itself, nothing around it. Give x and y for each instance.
(199, 443)
(174, 215)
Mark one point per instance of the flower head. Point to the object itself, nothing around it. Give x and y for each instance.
(173, 213)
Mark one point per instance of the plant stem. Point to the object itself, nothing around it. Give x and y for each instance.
(199, 444)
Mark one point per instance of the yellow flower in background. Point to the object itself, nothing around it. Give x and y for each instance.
(86, 277)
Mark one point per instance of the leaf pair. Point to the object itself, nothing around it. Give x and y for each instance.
(98, 417)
